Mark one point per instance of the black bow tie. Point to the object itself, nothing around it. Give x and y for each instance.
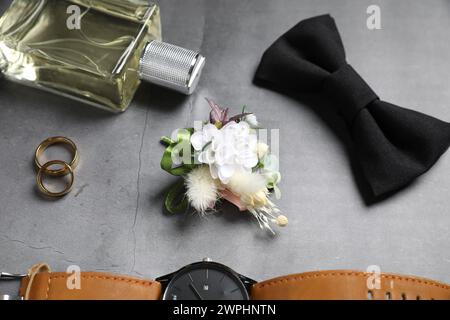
(394, 145)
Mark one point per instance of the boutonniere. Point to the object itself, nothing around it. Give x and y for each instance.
(222, 159)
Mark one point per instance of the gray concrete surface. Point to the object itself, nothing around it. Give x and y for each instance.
(113, 220)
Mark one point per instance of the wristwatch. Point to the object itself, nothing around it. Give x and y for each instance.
(208, 280)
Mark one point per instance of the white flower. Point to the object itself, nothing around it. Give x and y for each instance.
(200, 138)
(262, 150)
(254, 196)
(247, 184)
(201, 189)
(228, 150)
(251, 120)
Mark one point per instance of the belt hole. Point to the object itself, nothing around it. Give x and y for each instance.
(418, 298)
(403, 296)
(388, 296)
(370, 295)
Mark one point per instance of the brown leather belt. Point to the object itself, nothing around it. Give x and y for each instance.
(41, 284)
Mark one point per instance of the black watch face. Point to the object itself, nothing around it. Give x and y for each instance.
(206, 281)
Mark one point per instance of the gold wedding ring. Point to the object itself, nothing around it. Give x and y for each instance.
(44, 170)
(52, 141)
(63, 168)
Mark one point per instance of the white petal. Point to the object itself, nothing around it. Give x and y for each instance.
(202, 157)
(225, 156)
(217, 141)
(210, 131)
(251, 120)
(250, 162)
(197, 140)
(244, 127)
(229, 125)
(226, 172)
(214, 172)
(252, 141)
(207, 156)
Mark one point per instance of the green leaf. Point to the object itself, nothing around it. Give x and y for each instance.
(176, 201)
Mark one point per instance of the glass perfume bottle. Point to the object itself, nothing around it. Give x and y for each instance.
(95, 51)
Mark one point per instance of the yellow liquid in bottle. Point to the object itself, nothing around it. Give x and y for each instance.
(97, 63)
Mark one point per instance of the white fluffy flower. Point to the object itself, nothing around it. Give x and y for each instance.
(201, 189)
(228, 150)
(247, 183)
(251, 188)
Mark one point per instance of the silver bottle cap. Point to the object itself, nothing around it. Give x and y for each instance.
(171, 66)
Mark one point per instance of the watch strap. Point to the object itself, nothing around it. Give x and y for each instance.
(42, 284)
(349, 285)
